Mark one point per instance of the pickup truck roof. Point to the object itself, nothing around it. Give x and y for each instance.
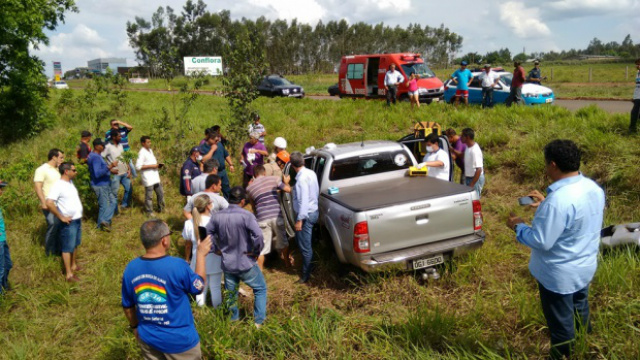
(394, 192)
(355, 149)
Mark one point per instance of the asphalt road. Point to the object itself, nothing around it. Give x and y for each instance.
(610, 106)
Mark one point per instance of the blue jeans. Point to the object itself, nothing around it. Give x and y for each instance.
(51, 245)
(487, 97)
(107, 203)
(478, 186)
(116, 180)
(132, 166)
(304, 243)
(70, 235)
(255, 280)
(5, 266)
(564, 314)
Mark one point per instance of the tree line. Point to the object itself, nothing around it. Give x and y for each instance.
(289, 47)
(625, 50)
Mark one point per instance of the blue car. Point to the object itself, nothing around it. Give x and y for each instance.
(532, 94)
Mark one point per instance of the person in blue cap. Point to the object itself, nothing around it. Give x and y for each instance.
(462, 78)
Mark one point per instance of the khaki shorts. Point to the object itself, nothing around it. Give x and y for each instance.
(149, 353)
(273, 229)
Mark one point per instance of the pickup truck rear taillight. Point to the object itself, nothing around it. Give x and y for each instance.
(477, 215)
(361, 238)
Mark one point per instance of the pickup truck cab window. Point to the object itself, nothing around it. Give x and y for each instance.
(319, 168)
(369, 165)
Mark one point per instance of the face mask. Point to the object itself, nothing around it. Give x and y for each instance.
(430, 149)
(199, 157)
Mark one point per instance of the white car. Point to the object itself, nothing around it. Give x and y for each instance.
(59, 85)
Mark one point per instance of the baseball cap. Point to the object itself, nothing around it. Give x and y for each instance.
(3, 184)
(97, 142)
(487, 66)
(284, 156)
(464, 63)
(237, 194)
(536, 62)
(85, 133)
(194, 149)
(256, 116)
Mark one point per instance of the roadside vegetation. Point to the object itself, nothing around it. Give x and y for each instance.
(485, 306)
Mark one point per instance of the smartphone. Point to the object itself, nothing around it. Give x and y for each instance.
(525, 200)
(202, 231)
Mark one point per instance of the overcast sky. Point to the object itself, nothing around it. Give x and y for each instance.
(99, 29)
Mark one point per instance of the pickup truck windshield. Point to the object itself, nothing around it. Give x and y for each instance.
(419, 68)
(369, 164)
(279, 81)
(506, 79)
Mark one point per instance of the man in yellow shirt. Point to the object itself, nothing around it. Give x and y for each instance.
(47, 175)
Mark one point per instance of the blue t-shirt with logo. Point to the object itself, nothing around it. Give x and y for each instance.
(159, 288)
(462, 77)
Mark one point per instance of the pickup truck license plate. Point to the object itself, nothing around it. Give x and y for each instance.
(549, 100)
(431, 261)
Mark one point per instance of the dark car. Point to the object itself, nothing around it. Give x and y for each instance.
(334, 90)
(276, 85)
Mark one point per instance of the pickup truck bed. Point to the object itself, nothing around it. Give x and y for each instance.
(394, 192)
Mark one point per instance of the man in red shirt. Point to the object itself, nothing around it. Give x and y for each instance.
(515, 95)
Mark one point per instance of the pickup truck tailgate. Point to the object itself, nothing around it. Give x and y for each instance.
(423, 210)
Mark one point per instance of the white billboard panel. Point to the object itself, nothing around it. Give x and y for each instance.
(210, 65)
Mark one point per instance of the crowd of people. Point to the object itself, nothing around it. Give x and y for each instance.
(224, 240)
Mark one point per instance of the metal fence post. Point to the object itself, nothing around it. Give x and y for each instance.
(590, 74)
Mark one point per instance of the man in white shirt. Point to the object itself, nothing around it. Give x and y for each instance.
(212, 190)
(473, 161)
(112, 154)
(64, 203)
(489, 81)
(258, 127)
(437, 160)
(47, 175)
(392, 78)
(148, 166)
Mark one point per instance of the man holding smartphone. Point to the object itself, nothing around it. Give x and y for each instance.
(148, 166)
(564, 238)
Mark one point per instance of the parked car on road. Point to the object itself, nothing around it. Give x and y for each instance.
(276, 85)
(59, 85)
(532, 94)
(375, 216)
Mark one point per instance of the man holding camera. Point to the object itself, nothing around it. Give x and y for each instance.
(564, 238)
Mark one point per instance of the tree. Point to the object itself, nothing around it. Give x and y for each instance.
(246, 66)
(23, 85)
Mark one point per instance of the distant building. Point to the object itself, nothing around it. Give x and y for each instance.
(102, 64)
(599, 57)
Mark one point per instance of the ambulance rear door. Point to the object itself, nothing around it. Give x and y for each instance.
(354, 81)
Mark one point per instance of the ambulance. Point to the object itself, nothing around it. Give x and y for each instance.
(362, 76)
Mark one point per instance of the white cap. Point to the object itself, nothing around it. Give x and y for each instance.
(280, 142)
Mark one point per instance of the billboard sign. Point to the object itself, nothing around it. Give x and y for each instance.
(209, 65)
(57, 70)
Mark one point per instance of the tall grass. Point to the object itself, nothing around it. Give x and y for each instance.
(485, 306)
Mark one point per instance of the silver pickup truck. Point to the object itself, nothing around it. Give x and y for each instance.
(380, 217)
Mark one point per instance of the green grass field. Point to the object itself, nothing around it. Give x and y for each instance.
(485, 306)
(608, 81)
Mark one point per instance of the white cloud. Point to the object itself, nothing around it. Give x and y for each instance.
(306, 11)
(75, 48)
(524, 22)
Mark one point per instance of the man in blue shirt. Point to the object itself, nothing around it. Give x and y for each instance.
(189, 171)
(462, 78)
(239, 241)
(564, 238)
(155, 296)
(5, 256)
(100, 180)
(305, 204)
(214, 148)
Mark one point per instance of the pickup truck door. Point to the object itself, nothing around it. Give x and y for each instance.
(286, 199)
(415, 147)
